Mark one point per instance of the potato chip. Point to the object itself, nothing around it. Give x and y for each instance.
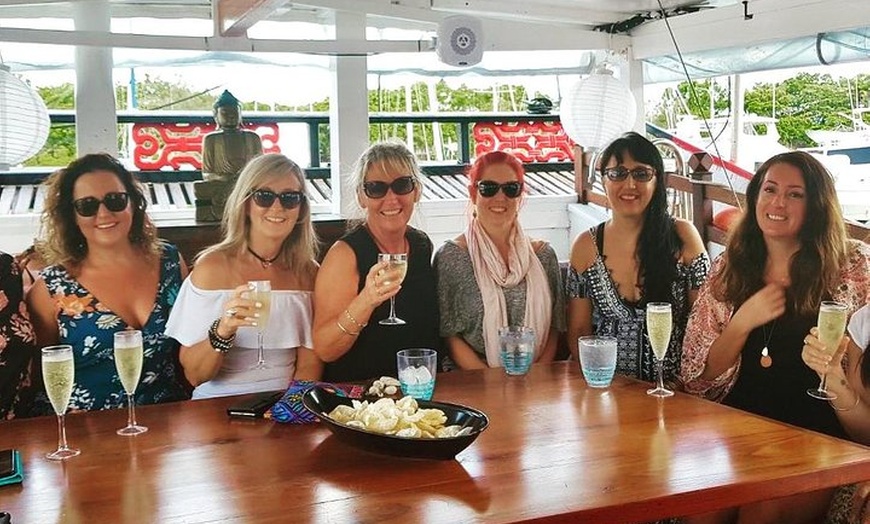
(402, 418)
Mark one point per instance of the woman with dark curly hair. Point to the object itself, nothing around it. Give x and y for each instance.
(108, 272)
(744, 339)
(649, 256)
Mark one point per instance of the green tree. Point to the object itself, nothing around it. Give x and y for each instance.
(60, 147)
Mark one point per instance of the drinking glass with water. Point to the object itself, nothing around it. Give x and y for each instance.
(416, 370)
(597, 360)
(516, 349)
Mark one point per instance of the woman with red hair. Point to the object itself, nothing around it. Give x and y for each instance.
(516, 280)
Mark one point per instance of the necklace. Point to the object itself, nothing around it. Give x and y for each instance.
(266, 262)
(766, 360)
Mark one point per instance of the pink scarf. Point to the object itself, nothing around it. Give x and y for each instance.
(492, 275)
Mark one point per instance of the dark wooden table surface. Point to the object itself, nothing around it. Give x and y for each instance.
(555, 451)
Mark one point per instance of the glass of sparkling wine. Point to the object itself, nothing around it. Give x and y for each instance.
(128, 361)
(832, 325)
(659, 323)
(261, 291)
(58, 373)
(396, 270)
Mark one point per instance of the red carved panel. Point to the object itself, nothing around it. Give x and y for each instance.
(176, 146)
(528, 141)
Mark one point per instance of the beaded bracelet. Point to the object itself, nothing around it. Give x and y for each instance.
(357, 324)
(219, 343)
(346, 332)
(855, 405)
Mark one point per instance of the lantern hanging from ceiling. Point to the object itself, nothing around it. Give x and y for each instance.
(24, 121)
(597, 109)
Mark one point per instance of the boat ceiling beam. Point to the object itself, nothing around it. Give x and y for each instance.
(235, 17)
(769, 21)
(527, 11)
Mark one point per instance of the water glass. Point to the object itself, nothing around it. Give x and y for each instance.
(416, 371)
(597, 360)
(516, 349)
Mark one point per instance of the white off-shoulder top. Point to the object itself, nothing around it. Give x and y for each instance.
(289, 328)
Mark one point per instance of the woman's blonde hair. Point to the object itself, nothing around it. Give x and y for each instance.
(392, 153)
(62, 240)
(299, 248)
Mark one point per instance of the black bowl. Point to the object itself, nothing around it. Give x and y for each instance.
(320, 402)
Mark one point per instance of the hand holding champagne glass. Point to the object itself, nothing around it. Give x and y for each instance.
(397, 268)
(128, 361)
(659, 323)
(832, 325)
(261, 292)
(58, 373)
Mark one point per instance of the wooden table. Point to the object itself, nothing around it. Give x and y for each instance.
(555, 451)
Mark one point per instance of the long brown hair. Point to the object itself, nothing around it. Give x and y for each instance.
(815, 268)
(63, 242)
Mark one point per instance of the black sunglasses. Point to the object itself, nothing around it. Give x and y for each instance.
(620, 173)
(114, 202)
(266, 197)
(400, 186)
(488, 188)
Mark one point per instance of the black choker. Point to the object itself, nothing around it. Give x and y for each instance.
(266, 262)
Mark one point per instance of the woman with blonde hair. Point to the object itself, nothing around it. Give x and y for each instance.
(107, 273)
(267, 235)
(353, 291)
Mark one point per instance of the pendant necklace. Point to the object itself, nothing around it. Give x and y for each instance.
(766, 360)
(265, 262)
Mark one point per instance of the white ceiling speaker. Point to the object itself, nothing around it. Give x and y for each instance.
(460, 41)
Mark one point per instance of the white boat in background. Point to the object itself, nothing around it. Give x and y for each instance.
(758, 141)
(854, 143)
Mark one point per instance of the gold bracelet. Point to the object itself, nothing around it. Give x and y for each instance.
(350, 317)
(337, 323)
(855, 405)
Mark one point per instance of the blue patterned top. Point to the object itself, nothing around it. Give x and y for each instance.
(89, 326)
(613, 316)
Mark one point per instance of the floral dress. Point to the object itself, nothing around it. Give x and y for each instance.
(16, 341)
(614, 316)
(89, 326)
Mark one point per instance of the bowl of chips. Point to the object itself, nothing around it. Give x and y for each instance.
(404, 428)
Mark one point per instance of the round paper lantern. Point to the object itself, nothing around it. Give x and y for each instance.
(597, 109)
(24, 121)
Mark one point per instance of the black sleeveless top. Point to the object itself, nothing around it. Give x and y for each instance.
(780, 391)
(374, 352)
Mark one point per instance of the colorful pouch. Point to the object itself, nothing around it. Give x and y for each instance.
(290, 410)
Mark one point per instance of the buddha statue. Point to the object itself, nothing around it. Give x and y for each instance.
(224, 153)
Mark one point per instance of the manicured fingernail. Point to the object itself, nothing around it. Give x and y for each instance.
(259, 304)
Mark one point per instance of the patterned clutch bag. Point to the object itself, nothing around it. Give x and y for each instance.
(290, 410)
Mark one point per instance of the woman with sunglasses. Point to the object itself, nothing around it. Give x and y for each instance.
(107, 273)
(640, 255)
(352, 293)
(268, 235)
(516, 280)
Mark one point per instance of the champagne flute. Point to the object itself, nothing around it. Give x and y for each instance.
(832, 325)
(58, 373)
(659, 322)
(396, 269)
(128, 361)
(261, 291)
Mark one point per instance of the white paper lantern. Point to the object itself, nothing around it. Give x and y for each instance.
(597, 109)
(24, 121)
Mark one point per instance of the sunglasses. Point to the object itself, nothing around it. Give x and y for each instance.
(400, 186)
(266, 197)
(89, 206)
(488, 188)
(620, 173)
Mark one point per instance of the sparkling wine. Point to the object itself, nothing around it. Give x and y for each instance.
(128, 361)
(264, 298)
(58, 374)
(832, 325)
(658, 325)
